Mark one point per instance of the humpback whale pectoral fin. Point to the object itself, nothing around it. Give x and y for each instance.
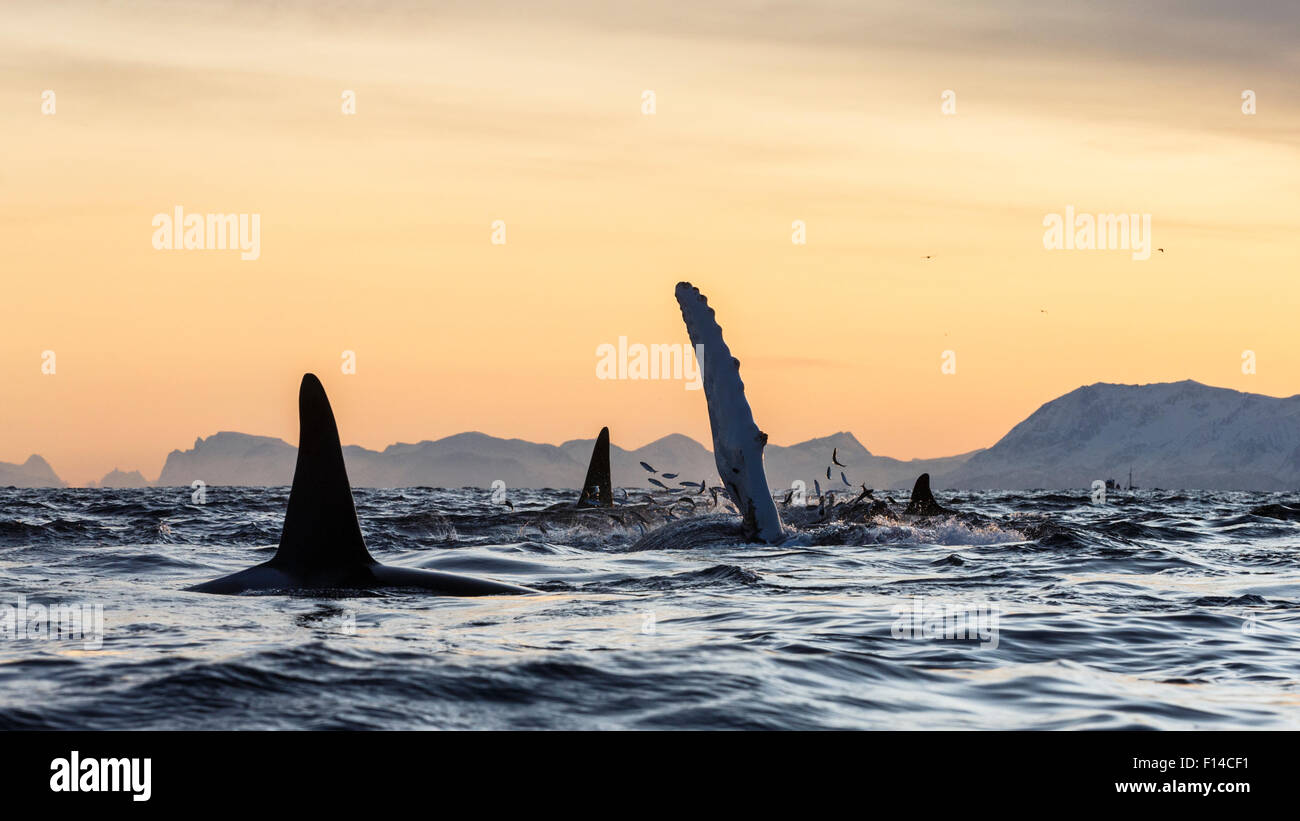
(321, 538)
(749, 524)
(737, 441)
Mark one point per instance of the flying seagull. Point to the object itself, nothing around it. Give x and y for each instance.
(834, 454)
(647, 467)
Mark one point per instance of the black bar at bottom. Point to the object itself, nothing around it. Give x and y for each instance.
(997, 771)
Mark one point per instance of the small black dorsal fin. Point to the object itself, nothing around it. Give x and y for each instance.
(922, 501)
(321, 531)
(596, 488)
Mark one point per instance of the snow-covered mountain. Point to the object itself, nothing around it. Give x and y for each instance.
(1172, 434)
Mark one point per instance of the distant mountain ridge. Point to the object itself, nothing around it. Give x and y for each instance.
(231, 458)
(477, 460)
(1173, 434)
(120, 478)
(35, 472)
(808, 461)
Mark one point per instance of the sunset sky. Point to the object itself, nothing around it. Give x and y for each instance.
(376, 227)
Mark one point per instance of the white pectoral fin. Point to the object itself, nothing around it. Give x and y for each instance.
(737, 442)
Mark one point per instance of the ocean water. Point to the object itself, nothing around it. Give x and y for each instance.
(1029, 610)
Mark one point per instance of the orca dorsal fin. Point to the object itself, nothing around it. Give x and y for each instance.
(596, 489)
(922, 501)
(321, 531)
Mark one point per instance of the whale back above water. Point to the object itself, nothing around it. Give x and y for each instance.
(321, 545)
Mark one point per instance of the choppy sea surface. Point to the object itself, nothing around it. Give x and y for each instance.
(1163, 610)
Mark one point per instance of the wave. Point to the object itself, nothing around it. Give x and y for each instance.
(1155, 611)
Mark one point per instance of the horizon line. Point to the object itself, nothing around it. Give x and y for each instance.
(707, 446)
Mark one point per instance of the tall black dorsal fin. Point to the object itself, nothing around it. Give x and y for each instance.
(922, 502)
(321, 531)
(596, 488)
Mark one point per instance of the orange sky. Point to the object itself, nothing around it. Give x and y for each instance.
(376, 227)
